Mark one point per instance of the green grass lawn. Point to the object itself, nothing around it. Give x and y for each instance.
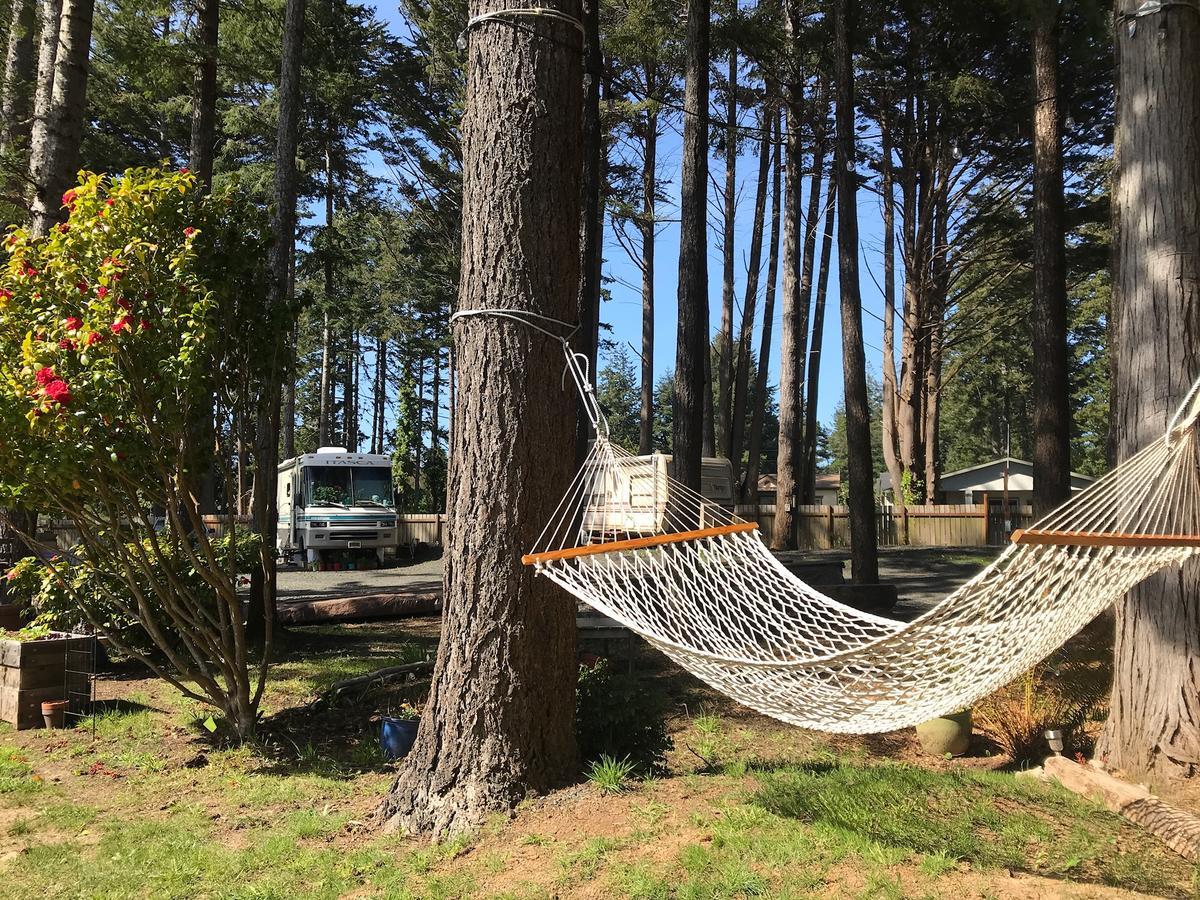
(151, 809)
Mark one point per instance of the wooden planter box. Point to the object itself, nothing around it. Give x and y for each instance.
(33, 671)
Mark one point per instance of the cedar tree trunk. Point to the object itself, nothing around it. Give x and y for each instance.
(1154, 725)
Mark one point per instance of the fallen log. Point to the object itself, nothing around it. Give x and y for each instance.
(371, 679)
(1178, 829)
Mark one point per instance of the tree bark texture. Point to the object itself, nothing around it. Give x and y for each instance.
(758, 413)
(499, 722)
(864, 564)
(647, 227)
(19, 74)
(1154, 724)
(49, 14)
(891, 448)
(691, 352)
(591, 226)
(725, 339)
(204, 92)
(1051, 386)
(260, 617)
(54, 144)
(791, 363)
(741, 381)
(814, 353)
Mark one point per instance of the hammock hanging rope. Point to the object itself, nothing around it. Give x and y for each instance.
(698, 583)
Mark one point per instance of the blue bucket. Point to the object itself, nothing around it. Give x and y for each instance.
(397, 736)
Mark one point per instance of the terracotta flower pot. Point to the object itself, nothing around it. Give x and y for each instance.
(947, 735)
(54, 713)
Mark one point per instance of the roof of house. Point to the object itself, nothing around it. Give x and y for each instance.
(976, 477)
(826, 481)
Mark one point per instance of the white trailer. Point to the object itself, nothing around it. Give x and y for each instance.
(635, 496)
(335, 500)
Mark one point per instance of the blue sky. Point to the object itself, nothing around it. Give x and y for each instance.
(622, 313)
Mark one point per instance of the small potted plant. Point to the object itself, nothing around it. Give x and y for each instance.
(398, 731)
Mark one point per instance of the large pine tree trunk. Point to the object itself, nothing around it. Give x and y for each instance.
(19, 73)
(499, 722)
(1154, 725)
(647, 227)
(891, 448)
(741, 381)
(791, 356)
(814, 355)
(725, 339)
(204, 91)
(863, 557)
(759, 397)
(692, 414)
(1051, 396)
(591, 226)
(54, 145)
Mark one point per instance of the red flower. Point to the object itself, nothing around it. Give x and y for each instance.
(73, 323)
(108, 202)
(45, 375)
(12, 575)
(144, 325)
(125, 323)
(123, 303)
(94, 338)
(189, 231)
(68, 199)
(82, 287)
(29, 270)
(184, 170)
(66, 344)
(59, 392)
(63, 228)
(5, 294)
(102, 292)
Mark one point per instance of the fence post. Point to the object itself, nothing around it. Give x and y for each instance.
(987, 520)
(829, 525)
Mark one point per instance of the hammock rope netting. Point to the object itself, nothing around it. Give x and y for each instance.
(699, 584)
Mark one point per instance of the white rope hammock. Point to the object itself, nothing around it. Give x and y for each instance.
(698, 583)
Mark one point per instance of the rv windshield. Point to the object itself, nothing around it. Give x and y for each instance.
(348, 486)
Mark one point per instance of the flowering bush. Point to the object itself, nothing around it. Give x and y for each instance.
(131, 337)
(111, 330)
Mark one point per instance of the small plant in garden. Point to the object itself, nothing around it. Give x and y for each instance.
(611, 775)
(1063, 693)
(131, 339)
(406, 712)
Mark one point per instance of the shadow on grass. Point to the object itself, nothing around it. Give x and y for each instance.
(988, 819)
(117, 709)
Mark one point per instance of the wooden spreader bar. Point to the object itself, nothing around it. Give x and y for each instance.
(531, 559)
(1095, 539)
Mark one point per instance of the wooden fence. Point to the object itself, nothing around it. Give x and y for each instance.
(421, 528)
(935, 525)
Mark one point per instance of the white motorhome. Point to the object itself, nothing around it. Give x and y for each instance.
(335, 500)
(636, 497)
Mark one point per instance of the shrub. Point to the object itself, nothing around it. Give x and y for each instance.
(1064, 692)
(131, 337)
(618, 717)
